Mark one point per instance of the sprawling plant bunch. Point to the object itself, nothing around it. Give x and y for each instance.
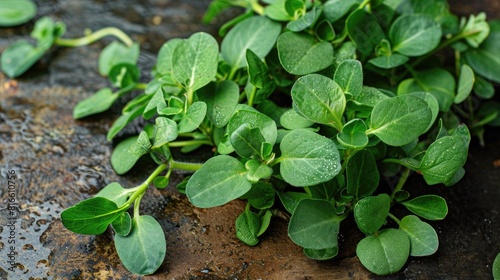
(307, 103)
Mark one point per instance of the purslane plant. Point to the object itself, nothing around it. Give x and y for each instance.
(364, 93)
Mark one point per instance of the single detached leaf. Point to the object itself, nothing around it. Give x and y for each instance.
(353, 134)
(321, 254)
(384, 252)
(194, 61)
(399, 120)
(143, 250)
(19, 57)
(362, 174)
(221, 101)
(465, 83)
(15, 12)
(415, 34)
(319, 99)
(220, 180)
(371, 212)
(349, 76)
(301, 54)
(97, 103)
(195, 114)
(123, 224)
(90, 216)
(116, 193)
(256, 33)
(314, 225)
(247, 227)
(121, 160)
(116, 53)
(423, 238)
(430, 207)
(308, 158)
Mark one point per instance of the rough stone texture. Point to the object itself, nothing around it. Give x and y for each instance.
(59, 161)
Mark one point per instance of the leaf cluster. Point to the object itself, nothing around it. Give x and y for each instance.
(306, 105)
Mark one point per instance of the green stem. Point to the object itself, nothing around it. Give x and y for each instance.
(94, 36)
(144, 186)
(137, 204)
(256, 7)
(394, 218)
(186, 166)
(178, 144)
(401, 182)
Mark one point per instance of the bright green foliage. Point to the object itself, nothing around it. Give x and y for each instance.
(304, 103)
(496, 267)
(15, 12)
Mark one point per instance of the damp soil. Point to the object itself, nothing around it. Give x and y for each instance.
(58, 161)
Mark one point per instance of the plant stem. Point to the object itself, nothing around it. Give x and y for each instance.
(394, 218)
(92, 37)
(144, 186)
(177, 144)
(186, 166)
(401, 182)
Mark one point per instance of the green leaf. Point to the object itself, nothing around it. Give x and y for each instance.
(123, 224)
(319, 99)
(349, 76)
(440, 83)
(292, 120)
(442, 160)
(260, 78)
(90, 216)
(353, 134)
(143, 250)
(121, 159)
(256, 120)
(384, 252)
(301, 54)
(485, 60)
(430, 207)
(141, 146)
(265, 221)
(364, 30)
(165, 131)
(116, 193)
(483, 88)
(194, 116)
(155, 105)
(256, 33)
(308, 158)
(124, 120)
(371, 212)
(321, 254)
(260, 196)
(97, 103)
(415, 34)
(399, 120)
(496, 267)
(165, 56)
(161, 182)
(194, 61)
(221, 101)
(477, 29)
(305, 21)
(465, 83)
(432, 102)
(362, 174)
(220, 180)
(423, 238)
(15, 12)
(19, 57)
(314, 225)
(439, 10)
(116, 53)
(247, 227)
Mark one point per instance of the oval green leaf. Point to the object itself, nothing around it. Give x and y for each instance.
(423, 238)
(349, 76)
(19, 57)
(97, 103)
(430, 207)
(362, 174)
(314, 225)
(143, 250)
(15, 12)
(371, 212)
(247, 227)
(415, 34)
(308, 158)
(220, 180)
(121, 160)
(194, 116)
(353, 135)
(385, 252)
(465, 83)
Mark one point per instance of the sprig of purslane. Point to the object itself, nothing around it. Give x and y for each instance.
(366, 99)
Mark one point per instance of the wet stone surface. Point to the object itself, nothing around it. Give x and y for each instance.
(54, 162)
